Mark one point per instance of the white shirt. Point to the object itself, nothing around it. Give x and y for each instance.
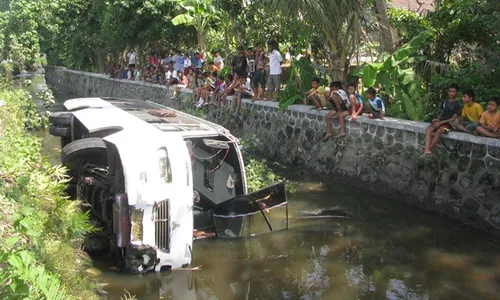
(219, 62)
(344, 97)
(168, 74)
(275, 60)
(131, 58)
(187, 63)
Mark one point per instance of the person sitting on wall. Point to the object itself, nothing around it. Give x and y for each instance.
(340, 103)
(316, 95)
(375, 105)
(356, 102)
(182, 84)
(219, 90)
(490, 120)
(231, 83)
(471, 113)
(123, 73)
(451, 109)
(218, 60)
(239, 89)
(191, 79)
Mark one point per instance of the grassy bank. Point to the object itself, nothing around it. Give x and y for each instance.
(41, 231)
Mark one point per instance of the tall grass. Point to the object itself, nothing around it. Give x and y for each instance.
(41, 230)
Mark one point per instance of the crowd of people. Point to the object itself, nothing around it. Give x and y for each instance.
(250, 72)
(257, 74)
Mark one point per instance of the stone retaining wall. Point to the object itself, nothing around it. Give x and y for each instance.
(461, 181)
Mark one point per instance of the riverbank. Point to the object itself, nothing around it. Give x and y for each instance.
(41, 256)
(461, 181)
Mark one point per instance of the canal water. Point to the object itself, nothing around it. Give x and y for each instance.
(384, 250)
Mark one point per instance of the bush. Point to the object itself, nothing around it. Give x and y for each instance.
(258, 173)
(41, 257)
(301, 74)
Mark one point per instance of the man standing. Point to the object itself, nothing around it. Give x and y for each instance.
(132, 57)
(259, 77)
(239, 64)
(178, 61)
(275, 61)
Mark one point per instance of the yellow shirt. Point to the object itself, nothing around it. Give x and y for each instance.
(491, 120)
(321, 94)
(472, 113)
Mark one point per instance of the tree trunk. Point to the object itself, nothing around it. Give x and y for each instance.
(387, 39)
(201, 43)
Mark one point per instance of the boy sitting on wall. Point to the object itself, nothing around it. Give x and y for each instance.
(357, 107)
(340, 103)
(451, 109)
(316, 95)
(375, 105)
(490, 120)
(471, 113)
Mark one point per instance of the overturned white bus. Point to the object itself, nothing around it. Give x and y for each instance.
(151, 175)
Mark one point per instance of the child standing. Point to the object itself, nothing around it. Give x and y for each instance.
(451, 109)
(490, 120)
(375, 105)
(471, 113)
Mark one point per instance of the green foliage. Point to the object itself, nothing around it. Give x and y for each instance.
(43, 230)
(259, 174)
(198, 13)
(47, 96)
(28, 111)
(396, 75)
(200, 113)
(408, 24)
(481, 77)
(301, 74)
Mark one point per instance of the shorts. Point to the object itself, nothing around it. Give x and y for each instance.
(274, 83)
(356, 108)
(131, 66)
(470, 126)
(376, 114)
(259, 78)
(241, 73)
(446, 127)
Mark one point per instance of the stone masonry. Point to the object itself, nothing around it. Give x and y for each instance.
(461, 180)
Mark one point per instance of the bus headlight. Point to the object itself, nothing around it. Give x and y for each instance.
(136, 216)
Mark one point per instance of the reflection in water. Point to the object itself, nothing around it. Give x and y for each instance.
(386, 250)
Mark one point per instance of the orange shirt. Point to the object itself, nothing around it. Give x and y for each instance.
(491, 120)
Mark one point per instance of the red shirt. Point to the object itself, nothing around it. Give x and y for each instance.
(153, 60)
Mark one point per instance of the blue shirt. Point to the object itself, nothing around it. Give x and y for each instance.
(179, 62)
(377, 104)
(360, 100)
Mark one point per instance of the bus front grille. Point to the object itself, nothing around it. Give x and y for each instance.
(162, 230)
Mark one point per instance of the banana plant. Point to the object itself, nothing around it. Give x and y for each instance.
(395, 73)
(198, 13)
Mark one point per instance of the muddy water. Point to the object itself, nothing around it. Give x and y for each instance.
(385, 250)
